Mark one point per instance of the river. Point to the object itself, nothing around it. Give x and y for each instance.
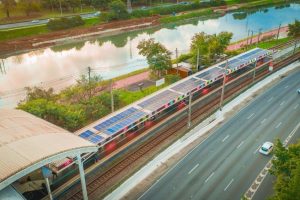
(61, 65)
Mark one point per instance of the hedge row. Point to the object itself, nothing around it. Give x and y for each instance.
(65, 23)
(165, 10)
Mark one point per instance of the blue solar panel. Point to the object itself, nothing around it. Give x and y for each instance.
(96, 139)
(115, 118)
(159, 100)
(126, 122)
(188, 85)
(86, 134)
(249, 53)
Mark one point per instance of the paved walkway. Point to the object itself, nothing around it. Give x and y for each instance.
(238, 45)
(131, 80)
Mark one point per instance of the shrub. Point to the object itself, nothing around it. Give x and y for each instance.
(65, 23)
(172, 78)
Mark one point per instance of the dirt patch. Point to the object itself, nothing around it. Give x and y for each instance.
(27, 43)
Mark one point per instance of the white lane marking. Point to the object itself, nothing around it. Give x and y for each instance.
(261, 176)
(256, 150)
(270, 99)
(225, 138)
(250, 116)
(263, 121)
(209, 177)
(277, 126)
(296, 107)
(286, 86)
(240, 144)
(282, 103)
(228, 185)
(193, 168)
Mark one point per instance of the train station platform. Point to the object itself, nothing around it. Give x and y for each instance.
(160, 160)
(28, 143)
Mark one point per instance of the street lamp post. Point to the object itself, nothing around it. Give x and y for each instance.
(254, 71)
(190, 110)
(223, 86)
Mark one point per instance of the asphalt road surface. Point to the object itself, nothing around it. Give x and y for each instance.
(37, 22)
(225, 164)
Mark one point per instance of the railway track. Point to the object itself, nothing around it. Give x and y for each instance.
(99, 183)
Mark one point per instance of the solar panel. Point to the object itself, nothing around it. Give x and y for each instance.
(96, 139)
(159, 100)
(188, 85)
(115, 118)
(212, 74)
(246, 55)
(86, 134)
(135, 117)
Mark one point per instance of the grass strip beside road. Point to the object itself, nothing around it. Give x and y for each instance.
(190, 15)
(22, 32)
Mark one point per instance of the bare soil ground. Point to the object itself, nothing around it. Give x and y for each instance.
(26, 43)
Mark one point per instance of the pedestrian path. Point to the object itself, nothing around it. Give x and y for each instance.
(282, 32)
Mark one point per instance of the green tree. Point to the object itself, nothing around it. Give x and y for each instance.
(294, 29)
(158, 57)
(101, 4)
(29, 6)
(118, 10)
(33, 93)
(70, 117)
(286, 168)
(7, 6)
(209, 46)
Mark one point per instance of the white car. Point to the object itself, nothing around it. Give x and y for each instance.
(266, 148)
(35, 21)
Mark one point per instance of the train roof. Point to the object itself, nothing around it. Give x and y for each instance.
(126, 118)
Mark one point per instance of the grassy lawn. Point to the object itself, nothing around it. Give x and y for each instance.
(272, 43)
(17, 15)
(22, 32)
(190, 15)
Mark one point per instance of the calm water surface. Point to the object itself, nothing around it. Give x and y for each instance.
(60, 66)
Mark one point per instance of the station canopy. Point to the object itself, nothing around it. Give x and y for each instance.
(28, 143)
(105, 129)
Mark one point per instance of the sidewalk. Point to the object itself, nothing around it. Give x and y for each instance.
(123, 83)
(194, 134)
(240, 44)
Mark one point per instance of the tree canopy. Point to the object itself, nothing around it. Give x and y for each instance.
(117, 10)
(294, 29)
(209, 46)
(8, 5)
(286, 168)
(157, 55)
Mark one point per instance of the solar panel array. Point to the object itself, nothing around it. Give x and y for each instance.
(91, 136)
(212, 74)
(128, 118)
(189, 85)
(159, 100)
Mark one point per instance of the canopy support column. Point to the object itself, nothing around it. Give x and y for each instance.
(82, 177)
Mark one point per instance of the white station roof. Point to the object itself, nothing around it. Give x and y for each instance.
(28, 143)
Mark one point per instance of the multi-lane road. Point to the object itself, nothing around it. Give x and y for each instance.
(226, 163)
(38, 22)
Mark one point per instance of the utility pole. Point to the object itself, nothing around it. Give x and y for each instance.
(248, 38)
(258, 37)
(89, 83)
(129, 8)
(295, 46)
(60, 8)
(198, 55)
(278, 31)
(254, 71)
(251, 37)
(111, 95)
(176, 52)
(190, 110)
(223, 86)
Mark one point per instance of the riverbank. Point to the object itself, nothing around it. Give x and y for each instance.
(17, 46)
